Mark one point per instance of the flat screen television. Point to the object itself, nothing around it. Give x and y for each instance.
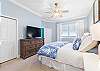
(33, 32)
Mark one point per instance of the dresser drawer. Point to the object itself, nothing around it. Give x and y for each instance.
(31, 51)
(25, 43)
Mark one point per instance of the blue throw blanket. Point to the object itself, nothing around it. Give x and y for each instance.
(50, 50)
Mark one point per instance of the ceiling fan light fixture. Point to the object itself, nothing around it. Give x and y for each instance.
(57, 13)
(56, 9)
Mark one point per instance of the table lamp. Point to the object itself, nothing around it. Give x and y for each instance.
(95, 31)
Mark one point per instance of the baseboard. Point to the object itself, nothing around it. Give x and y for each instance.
(18, 56)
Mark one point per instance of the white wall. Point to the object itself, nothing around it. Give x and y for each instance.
(90, 18)
(24, 17)
(0, 7)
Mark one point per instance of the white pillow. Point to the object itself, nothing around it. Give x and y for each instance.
(87, 44)
(84, 36)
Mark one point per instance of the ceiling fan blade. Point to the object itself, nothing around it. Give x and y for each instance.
(65, 11)
(47, 12)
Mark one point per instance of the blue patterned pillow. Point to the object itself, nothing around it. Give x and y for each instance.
(77, 44)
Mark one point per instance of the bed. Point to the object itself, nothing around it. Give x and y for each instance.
(63, 57)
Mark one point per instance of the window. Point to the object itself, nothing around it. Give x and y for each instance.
(70, 30)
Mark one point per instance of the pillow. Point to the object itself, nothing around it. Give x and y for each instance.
(85, 35)
(87, 44)
(76, 44)
(94, 50)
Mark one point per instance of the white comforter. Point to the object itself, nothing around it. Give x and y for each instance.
(91, 62)
(67, 55)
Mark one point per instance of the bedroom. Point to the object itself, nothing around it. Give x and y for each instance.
(75, 20)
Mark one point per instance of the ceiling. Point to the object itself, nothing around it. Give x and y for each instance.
(76, 8)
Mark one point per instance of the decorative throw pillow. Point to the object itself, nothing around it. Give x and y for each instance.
(77, 44)
(85, 35)
(87, 44)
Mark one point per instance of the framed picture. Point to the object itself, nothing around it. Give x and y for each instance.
(96, 11)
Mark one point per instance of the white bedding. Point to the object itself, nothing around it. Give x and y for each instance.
(91, 62)
(58, 65)
(67, 55)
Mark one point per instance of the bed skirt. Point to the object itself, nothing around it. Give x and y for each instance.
(58, 65)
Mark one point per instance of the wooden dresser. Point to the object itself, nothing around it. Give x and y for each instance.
(29, 47)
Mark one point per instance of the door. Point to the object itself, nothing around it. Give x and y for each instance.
(8, 39)
(47, 35)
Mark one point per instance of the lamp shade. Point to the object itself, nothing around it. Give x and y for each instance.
(95, 31)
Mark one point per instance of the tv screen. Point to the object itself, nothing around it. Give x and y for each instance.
(33, 32)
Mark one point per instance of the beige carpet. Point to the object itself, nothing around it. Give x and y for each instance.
(29, 64)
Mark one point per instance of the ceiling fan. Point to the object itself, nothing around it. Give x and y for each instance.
(56, 9)
(64, 11)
